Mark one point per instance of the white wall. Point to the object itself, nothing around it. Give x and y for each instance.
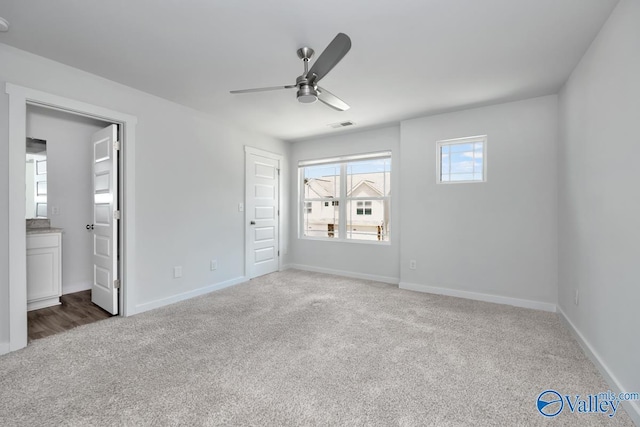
(189, 180)
(498, 237)
(369, 260)
(599, 189)
(69, 187)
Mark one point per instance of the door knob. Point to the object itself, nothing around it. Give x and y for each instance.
(252, 223)
(89, 226)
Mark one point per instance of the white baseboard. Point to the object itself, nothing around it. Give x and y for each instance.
(4, 348)
(141, 308)
(632, 407)
(355, 275)
(517, 302)
(75, 287)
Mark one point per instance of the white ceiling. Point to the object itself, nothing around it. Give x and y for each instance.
(408, 58)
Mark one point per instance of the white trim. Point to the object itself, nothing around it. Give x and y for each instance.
(345, 158)
(188, 295)
(286, 267)
(17, 240)
(517, 302)
(356, 241)
(262, 153)
(352, 274)
(19, 98)
(281, 165)
(632, 407)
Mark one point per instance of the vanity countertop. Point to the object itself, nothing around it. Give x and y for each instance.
(44, 230)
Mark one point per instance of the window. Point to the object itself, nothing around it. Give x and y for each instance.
(364, 208)
(358, 188)
(462, 160)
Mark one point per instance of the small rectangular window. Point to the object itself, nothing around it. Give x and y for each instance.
(363, 208)
(462, 160)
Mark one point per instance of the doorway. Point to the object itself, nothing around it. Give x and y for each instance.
(60, 199)
(19, 98)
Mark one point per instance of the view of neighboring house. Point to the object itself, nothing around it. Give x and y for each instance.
(366, 200)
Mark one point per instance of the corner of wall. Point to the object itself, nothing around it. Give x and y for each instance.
(632, 407)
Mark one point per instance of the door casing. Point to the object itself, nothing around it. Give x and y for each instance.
(19, 98)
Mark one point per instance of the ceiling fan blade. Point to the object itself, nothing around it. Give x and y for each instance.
(331, 100)
(263, 89)
(328, 59)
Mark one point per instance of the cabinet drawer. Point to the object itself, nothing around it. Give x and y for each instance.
(43, 241)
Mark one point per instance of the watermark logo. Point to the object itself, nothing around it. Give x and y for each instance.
(550, 403)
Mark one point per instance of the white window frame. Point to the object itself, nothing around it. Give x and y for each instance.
(363, 203)
(341, 199)
(459, 141)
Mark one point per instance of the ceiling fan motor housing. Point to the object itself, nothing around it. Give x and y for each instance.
(307, 94)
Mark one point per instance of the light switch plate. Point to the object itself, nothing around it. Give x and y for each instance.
(177, 272)
(214, 264)
(240, 207)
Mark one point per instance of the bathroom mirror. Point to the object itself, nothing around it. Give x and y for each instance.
(36, 178)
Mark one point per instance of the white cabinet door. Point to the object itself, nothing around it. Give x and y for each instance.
(44, 275)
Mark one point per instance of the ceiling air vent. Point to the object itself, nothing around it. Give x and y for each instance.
(341, 124)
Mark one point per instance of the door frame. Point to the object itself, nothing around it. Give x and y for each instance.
(19, 98)
(247, 228)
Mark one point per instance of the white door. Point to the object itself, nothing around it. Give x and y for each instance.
(104, 291)
(262, 213)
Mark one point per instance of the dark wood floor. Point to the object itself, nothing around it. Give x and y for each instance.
(76, 309)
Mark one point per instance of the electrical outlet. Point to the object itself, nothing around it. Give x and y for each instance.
(214, 264)
(577, 297)
(55, 210)
(412, 264)
(177, 272)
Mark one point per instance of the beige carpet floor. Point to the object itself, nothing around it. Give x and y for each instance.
(299, 348)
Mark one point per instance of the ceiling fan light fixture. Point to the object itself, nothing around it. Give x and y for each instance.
(307, 94)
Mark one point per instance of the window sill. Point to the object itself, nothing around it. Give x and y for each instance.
(357, 242)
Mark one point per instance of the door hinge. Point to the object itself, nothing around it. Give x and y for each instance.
(278, 253)
(116, 145)
(116, 284)
(278, 172)
(116, 214)
(278, 212)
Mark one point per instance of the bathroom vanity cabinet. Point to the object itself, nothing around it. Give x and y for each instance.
(44, 269)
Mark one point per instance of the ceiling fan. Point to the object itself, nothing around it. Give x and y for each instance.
(307, 83)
